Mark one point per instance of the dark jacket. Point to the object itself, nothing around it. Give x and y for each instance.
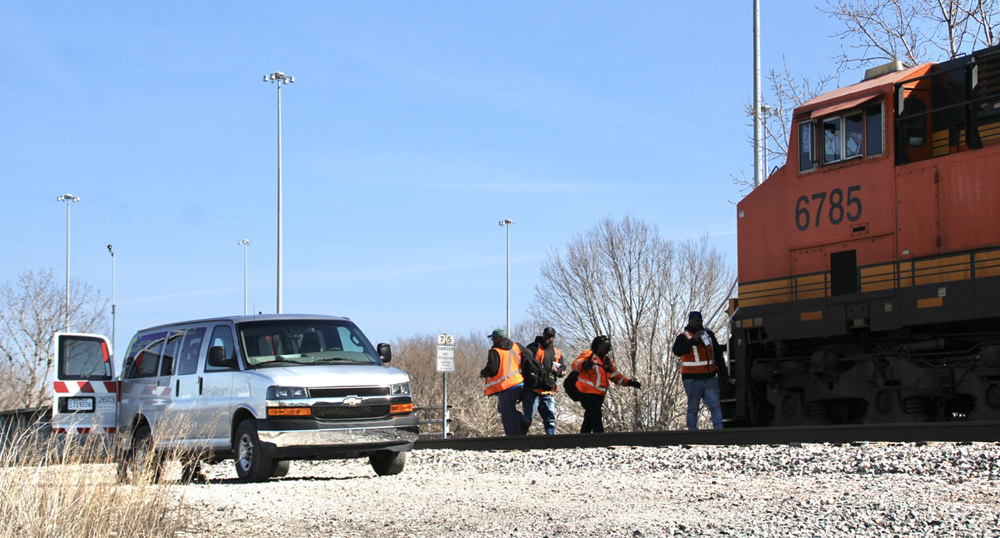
(493, 359)
(682, 346)
(548, 381)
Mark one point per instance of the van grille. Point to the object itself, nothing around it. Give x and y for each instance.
(343, 412)
(348, 391)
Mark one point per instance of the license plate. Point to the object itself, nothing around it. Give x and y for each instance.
(80, 404)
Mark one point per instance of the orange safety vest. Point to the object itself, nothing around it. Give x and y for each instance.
(509, 373)
(701, 358)
(540, 357)
(595, 380)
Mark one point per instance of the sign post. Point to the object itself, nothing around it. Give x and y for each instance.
(445, 364)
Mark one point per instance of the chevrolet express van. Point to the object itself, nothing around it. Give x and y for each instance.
(262, 390)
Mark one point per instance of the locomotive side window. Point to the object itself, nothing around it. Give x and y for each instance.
(873, 129)
(807, 161)
(853, 135)
(831, 139)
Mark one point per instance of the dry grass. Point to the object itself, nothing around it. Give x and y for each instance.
(53, 488)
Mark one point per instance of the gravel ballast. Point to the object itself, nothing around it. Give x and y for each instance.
(811, 490)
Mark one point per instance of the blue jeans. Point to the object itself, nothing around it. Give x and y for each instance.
(703, 389)
(545, 404)
(507, 406)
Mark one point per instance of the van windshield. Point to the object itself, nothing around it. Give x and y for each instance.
(297, 342)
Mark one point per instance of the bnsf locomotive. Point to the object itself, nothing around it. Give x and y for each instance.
(869, 264)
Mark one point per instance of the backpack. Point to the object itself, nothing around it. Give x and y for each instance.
(531, 370)
(570, 385)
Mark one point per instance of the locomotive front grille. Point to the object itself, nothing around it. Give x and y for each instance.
(346, 412)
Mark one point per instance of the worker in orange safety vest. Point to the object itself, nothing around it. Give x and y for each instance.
(596, 370)
(702, 363)
(542, 366)
(504, 380)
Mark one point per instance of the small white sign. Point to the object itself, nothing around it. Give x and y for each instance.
(445, 353)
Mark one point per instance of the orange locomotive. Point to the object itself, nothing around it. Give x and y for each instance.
(869, 264)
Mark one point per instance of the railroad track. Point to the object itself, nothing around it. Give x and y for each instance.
(984, 432)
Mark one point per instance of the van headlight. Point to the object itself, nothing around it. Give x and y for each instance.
(400, 389)
(286, 393)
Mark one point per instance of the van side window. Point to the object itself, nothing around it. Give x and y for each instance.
(222, 336)
(144, 355)
(187, 363)
(170, 352)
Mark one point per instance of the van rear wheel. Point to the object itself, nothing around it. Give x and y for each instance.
(387, 462)
(141, 462)
(251, 463)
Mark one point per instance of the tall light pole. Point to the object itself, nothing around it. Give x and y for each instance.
(67, 198)
(111, 249)
(508, 223)
(280, 79)
(245, 243)
(758, 174)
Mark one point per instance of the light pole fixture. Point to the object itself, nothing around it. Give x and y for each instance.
(508, 223)
(765, 111)
(67, 198)
(111, 249)
(245, 243)
(280, 79)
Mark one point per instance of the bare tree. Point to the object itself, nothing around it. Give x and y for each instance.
(32, 310)
(624, 280)
(912, 31)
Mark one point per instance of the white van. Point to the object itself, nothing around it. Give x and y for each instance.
(261, 390)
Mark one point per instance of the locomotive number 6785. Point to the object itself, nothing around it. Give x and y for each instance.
(837, 208)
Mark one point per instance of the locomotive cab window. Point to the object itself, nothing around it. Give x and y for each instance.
(807, 161)
(850, 135)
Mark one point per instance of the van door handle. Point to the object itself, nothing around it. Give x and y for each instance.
(177, 391)
(201, 381)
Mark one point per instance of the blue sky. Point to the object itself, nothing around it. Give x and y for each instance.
(411, 130)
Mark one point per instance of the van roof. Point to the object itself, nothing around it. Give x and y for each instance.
(241, 319)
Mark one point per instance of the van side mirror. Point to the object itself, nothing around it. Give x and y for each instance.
(385, 352)
(217, 357)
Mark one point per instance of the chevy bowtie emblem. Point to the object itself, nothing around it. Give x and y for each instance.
(352, 400)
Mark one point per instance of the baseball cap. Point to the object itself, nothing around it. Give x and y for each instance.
(548, 331)
(694, 315)
(497, 333)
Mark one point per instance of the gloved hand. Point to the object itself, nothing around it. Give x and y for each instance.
(634, 384)
(588, 364)
(607, 366)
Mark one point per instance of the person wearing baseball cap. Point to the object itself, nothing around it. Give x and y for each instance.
(702, 363)
(542, 366)
(503, 379)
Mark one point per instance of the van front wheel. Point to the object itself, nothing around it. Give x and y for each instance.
(387, 462)
(251, 463)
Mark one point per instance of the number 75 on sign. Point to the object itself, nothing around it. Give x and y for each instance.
(446, 340)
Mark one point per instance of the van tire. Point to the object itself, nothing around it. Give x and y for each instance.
(279, 468)
(387, 462)
(141, 461)
(251, 463)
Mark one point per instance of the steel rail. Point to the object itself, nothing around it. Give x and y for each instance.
(984, 432)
